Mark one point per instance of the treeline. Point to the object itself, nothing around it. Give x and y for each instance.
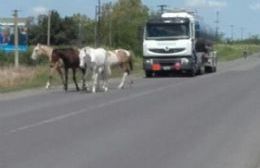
(120, 25)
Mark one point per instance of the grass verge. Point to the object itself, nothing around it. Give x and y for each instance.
(228, 52)
(27, 77)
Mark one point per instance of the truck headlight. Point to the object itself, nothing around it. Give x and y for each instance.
(149, 61)
(184, 61)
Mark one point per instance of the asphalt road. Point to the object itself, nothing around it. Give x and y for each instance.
(210, 121)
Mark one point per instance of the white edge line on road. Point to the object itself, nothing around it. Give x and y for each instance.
(61, 117)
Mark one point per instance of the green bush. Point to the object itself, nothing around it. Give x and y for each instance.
(227, 52)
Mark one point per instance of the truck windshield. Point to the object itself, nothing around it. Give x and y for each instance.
(167, 31)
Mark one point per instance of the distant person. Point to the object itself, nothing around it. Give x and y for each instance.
(245, 54)
(1, 38)
(22, 36)
(6, 36)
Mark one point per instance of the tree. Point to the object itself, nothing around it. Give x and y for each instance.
(63, 31)
(85, 29)
(36, 32)
(126, 19)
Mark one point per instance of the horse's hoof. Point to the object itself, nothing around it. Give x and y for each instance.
(105, 89)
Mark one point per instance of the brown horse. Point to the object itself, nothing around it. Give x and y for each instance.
(122, 58)
(58, 58)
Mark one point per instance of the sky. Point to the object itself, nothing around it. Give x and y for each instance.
(238, 16)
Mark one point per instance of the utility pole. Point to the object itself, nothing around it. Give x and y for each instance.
(242, 33)
(96, 25)
(16, 39)
(110, 24)
(232, 32)
(49, 28)
(217, 24)
(98, 22)
(79, 33)
(162, 8)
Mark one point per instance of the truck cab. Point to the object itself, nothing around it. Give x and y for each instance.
(169, 44)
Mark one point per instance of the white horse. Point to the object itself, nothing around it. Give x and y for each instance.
(44, 50)
(95, 61)
(90, 57)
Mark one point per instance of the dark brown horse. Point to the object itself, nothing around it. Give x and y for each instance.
(58, 58)
(70, 58)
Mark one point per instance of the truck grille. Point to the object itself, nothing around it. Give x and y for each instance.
(167, 51)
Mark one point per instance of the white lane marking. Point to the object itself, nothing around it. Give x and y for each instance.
(61, 117)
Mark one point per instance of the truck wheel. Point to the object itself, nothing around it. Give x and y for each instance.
(202, 70)
(148, 74)
(211, 69)
(192, 72)
(214, 69)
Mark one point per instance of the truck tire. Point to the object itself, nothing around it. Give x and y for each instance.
(192, 72)
(148, 74)
(214, 69)
(202, 70)
(211, 69)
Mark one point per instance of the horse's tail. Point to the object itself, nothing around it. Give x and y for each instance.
(106, 65)
(131, 64)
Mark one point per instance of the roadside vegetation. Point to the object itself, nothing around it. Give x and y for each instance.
(35, 74)
(228, 52)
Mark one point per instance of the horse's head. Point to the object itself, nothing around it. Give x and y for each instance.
(84, 54)
(40, 49)
(36, 52)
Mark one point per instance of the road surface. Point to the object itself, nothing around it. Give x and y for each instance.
(209, 121)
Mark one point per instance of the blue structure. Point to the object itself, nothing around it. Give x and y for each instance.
(7, 35)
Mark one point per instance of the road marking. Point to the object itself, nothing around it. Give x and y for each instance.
(61, 117)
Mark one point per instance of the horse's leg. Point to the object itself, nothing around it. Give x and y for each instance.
(105, 74)
(48, 83)
(74, 78)
(83, 78)
(100, 75)
(58, 69)
(88, 72)
(123, 79)
(94, 78)
(122, 83)
(66, 79)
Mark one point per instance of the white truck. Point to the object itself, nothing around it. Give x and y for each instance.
(178, 42)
